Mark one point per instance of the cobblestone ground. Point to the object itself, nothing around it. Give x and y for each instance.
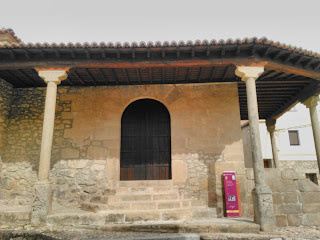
(53, 233)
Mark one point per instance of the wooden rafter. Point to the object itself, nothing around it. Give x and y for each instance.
(124, 70)
(187, 75)
(163, 74)
(200, 73)
(90, 76)
(176, 74)
(77, 76)
(138, 74)
(103, 75)
(150, 74)
(114, 75)
(225, 73)
(212, 73)
(26, 76)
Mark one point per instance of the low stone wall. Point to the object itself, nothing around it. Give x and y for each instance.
(296, 199)
(73, 181)
(302, 166)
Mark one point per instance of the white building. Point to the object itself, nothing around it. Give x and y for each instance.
(294, 140)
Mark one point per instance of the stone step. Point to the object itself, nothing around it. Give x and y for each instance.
(145, 183)
(111, 217)
(134, 206)
(142, 190)
(135, 197)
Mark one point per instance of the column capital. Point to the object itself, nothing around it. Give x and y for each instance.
(246, 72)
(311, 102)
(53, 76)
(271, 125)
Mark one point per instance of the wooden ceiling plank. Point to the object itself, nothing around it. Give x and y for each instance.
(150, 74)
(212, 73)
(175, 74)
(264, 75)
(124, 70)
(26, 76)
(90, 76)
(103, 75)
(225, 73)
(73, 71)
(163, 74)
(187, 76)
(114, 75)
(139, 74)
(200, 73)
(13, 76)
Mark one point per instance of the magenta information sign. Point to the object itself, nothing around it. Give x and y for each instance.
(230, 189)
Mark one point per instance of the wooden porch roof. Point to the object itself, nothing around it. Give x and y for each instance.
(291, 74)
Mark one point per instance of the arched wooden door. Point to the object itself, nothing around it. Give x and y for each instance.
(145, 141)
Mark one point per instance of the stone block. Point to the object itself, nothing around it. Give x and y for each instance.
(184, 215)
(290, 197)
(294, 220)
(291, 174)
(311, 219)
(249, 173)
(77, 163)
(179, 171)
(306, 185)
(277, 198)
(96, 153)
(69, 153)
(289, 209)
(67, 115)
(41, 203)
(311, 208)
(281, 220)
(309, 197)
(114, 218)
(134, 217)
(97, 167)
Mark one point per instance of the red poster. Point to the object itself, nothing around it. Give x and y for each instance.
(231, 195)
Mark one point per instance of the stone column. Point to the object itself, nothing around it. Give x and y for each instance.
(42, 202)
(262, 195)
(312, 103)
(271, 126)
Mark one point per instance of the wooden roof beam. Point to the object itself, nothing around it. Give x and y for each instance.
(200, 73)
(124, 70)
(150, 74)
(90, 76)
(114, 75)
(187, 76)
(73, 71)
(163, 74)
(26, 76)
(138, 74)
(225, 73)
(103, 75)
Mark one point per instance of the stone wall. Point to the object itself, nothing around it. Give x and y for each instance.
(205, 137)
(307, 166)
(5, 103)
(296, 199)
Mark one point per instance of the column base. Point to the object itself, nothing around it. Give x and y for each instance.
(41, 204)
(263, 208)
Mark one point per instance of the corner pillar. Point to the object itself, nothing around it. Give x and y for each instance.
(42, 199)
(271, 127)
(262, 195)
(312, 103)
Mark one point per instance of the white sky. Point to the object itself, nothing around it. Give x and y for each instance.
(288, 21)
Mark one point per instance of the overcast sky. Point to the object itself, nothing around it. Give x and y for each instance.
(287, 21)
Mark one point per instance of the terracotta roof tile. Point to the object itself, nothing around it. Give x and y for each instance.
(11, 32)
(158, 44)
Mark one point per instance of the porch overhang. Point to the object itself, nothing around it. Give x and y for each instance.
(291, 74)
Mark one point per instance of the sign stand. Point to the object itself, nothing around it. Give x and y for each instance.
(232, 194)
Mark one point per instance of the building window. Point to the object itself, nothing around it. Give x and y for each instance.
(294, 137)
(267, 163)
(312, 177)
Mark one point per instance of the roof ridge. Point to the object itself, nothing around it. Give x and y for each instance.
(11, 32)
(159, 44)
